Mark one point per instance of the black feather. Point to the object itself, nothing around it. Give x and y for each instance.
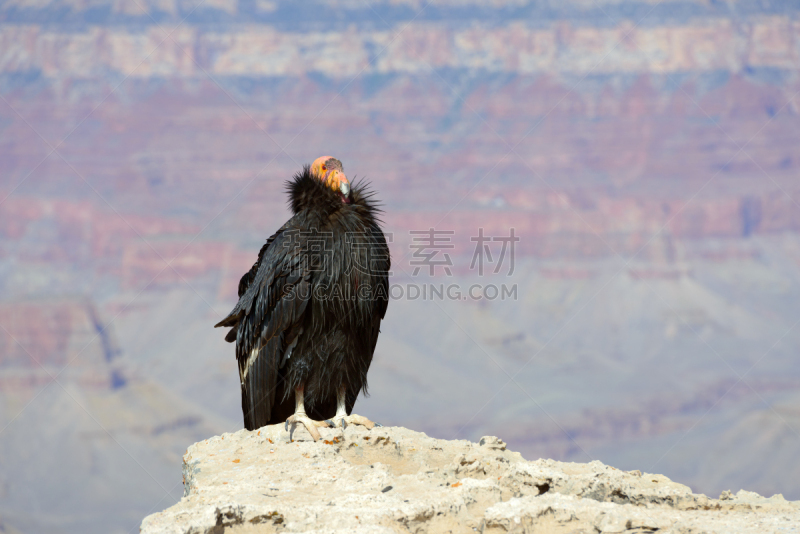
(302, 292)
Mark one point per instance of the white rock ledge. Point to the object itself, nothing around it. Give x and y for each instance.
(396, 480)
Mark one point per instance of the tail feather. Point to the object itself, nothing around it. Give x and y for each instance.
(259, 385)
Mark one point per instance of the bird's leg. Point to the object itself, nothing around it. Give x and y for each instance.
(300, 416)
(341, 408)
(341, 417)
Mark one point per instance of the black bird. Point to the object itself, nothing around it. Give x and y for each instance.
(310, 308)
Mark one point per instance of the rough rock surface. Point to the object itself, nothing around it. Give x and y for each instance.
(397, 480)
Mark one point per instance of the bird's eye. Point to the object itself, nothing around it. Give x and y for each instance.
(323, 168)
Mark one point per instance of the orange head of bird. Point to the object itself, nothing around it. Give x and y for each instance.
(329, 170)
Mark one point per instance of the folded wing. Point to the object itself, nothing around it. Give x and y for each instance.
(273, 297)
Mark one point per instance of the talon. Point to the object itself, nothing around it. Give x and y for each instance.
(300, 417)
(354, 419)
(330, 423)
(309, 424)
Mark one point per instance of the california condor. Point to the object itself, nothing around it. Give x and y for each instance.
(310, 308)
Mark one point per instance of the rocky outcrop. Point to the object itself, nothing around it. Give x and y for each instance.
(397, 480)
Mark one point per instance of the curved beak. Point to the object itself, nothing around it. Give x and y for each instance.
(344, 187)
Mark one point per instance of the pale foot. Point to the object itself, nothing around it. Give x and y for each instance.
(310, 424)
(353, 419)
